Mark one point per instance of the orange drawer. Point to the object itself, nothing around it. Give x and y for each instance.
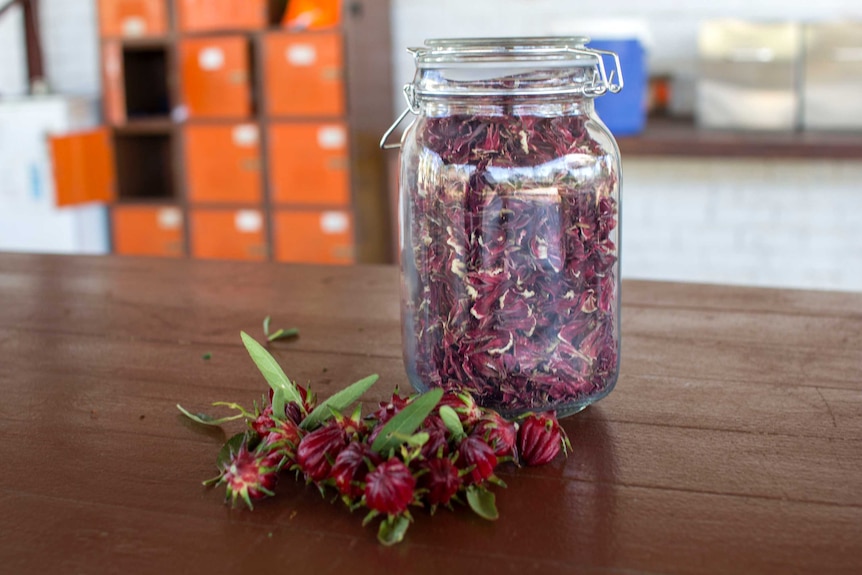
(228, 234)
(223, 163)
(114, 98)
(309, 164)
(304, 74)
(148, 231)
(314, 237)
(133, 18)
(215, 77)
(203, 15)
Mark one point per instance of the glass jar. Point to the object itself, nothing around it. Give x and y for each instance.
(509, 193)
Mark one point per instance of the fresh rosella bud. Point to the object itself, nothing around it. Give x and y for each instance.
(441, 480)
(282, 440)
(318, 450)
(497, 432)
(350, 469)
(390, 488)
(464, 405)
(438, 438)
(263, 422)
(477, 455)
(248, 476)
(388, 409)
(540, 438)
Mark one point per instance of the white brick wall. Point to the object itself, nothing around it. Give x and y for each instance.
(13, 63)
(770, 223)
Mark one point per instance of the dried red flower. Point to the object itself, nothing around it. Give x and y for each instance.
(248, 476)
(540, 439)
(351, 467)
(390, 487)
(510, 263)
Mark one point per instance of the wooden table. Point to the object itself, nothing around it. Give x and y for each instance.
(732, 444)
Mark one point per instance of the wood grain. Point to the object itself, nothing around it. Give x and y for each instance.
(732, 444)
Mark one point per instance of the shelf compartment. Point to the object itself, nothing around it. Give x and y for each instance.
(144, 73)
(228, 234)
(310, 61)
(148, 231)
(216, 77)
(223, 163)
(323, 237)
(309, 164)
(144, 164)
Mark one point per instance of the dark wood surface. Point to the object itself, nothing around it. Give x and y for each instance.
(732, 443)
(666, 137)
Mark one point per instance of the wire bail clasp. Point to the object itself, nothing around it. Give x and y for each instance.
(410, 96)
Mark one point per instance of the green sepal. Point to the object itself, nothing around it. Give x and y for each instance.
(266, 322)
(406, 421)
(338, 402)
(483, 502)
(278, 404)
(370, 517)
(205, 419)
(393, 529)
(271, 371)
(230, 447)
(452, 422)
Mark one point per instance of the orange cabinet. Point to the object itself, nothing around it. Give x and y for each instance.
(304, 74)
(314, 237)
(308, 164)
(204, 15)
(215, 77)
(133, 18)
(148, 231)
(228, 234)
(223, 163)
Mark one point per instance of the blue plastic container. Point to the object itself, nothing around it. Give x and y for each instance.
(624, 113)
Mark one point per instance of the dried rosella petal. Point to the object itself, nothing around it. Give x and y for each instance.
(511, 260)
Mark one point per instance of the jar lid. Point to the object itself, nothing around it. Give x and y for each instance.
(551, 51)
(541, 65)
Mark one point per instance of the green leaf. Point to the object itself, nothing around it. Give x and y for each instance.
(278, 404)
(483, 502)
(266, 321)
(392, 530)
(406, 421)
(452, 421)
(230, 447)
(205, 419)
(207, 355)
(338, 402)
(283, 334)
(270, 369)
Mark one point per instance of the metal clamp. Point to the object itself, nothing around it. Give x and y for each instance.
(410, 96)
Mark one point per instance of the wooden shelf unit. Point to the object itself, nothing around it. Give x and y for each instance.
(245, 133)
(667, 137)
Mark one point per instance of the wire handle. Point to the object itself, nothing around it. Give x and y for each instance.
(410, 96)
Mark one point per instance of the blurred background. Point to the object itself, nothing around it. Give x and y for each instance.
(248, 129)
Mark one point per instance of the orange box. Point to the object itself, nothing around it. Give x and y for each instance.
(309, 164)
(223, 163)
(132, 18)
(114, 100)
(215, 77)
(148, 231)
(304, 74)
(209, 15)
(314, 237)
(228, 234)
